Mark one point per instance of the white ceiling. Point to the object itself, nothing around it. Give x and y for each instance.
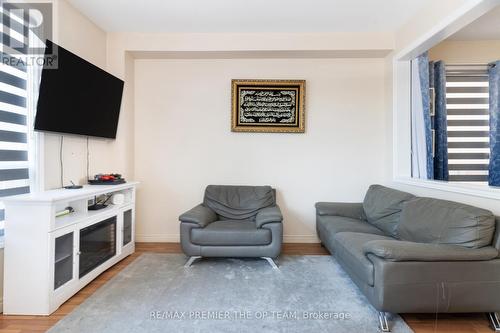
(250, 15)
(487, 27)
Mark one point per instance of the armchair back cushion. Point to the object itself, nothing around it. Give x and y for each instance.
(429, 220)
(383, 205)
(238, 202)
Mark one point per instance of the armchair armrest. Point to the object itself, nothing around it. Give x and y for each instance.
(346, 209)
(200, 215)
(395, 250)
(268, 215)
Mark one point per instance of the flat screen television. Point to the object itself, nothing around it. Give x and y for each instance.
(77, 97)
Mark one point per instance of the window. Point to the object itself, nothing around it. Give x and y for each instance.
(14, 116)
(467, 103)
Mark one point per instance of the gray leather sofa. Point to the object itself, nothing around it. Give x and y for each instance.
(233, 221)
(409, 254)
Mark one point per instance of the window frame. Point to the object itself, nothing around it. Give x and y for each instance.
(401, 103)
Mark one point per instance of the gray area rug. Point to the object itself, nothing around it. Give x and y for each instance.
(156, 293)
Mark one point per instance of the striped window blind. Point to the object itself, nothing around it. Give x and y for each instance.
(467, 103)
(14, 129)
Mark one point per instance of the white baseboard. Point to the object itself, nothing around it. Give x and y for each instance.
(300, 239)
(157, 238)
(175, 238)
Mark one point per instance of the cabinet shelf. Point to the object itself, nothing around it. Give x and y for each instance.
(62, 257)
(63, 263)
(78, 217)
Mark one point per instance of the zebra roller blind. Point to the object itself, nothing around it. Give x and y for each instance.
(467, 103)
(14, 166)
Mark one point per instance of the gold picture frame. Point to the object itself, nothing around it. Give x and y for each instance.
(268, 106)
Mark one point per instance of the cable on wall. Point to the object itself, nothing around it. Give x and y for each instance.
(61, 161)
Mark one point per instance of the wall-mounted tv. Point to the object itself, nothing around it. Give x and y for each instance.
(77, 97)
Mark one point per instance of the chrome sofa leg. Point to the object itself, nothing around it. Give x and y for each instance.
(382, 321)
(494, 321)
(191, 260)
(271, 262)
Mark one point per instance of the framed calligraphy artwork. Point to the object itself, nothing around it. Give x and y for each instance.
(268, 106)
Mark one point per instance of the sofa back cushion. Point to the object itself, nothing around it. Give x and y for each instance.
(428, 220)
(496, 235)
(238, 202)
(383, 205)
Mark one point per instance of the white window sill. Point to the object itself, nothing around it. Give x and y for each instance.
(479, 190)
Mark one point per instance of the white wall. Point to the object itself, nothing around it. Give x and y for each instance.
(428, 19)
(459, 52)
(79, 35)
(327, 168)
(183, 140)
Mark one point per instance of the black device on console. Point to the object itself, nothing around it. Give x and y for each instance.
(99, 205)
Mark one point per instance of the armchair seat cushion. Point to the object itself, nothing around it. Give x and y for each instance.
(231, 233)
(349, 251)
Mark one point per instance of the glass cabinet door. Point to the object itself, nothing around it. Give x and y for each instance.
(97, 245)
(127, 227)
(63, 261)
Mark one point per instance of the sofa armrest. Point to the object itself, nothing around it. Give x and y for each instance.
(346, 209)
(200, 215)
(395, 250)
(268, 215)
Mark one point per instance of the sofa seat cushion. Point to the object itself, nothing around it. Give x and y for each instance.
(383, 205)
(428, 220)
(349, 252)
(332, 225)
(231, 233)
(328, 226)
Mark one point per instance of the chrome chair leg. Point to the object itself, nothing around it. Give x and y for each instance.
(191, 260)
(382, 321)
(494, 321)
(271, 262)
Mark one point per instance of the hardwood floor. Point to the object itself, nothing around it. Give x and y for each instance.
(420, 323)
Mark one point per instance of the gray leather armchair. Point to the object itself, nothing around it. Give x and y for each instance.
(233, 221)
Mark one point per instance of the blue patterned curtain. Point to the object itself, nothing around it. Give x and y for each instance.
(421, 131)
(424, 74)
(494, 81)
(440, 123)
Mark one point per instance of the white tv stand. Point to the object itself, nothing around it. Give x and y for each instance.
(46, 261)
